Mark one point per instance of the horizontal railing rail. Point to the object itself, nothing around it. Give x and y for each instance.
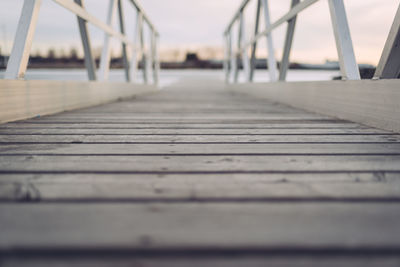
(18, 61)
(233, 55)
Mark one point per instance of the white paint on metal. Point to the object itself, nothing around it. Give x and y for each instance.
(389, 64)
(228, 53)
(233, 58)
(135, 49)
(270, 44)
(79, 11)
(344, 45)
(254, 47)
(19, 57)
(238, 52)
(150, 56)
(244, 52)
(155, 64)
(106, 53)
(20, 54)
(87, 50)
(295, 9)
(237, 15)
(143, 51)
(289, 15)
(288, 44)
(145, 17)
(348, 64)
(124, 50)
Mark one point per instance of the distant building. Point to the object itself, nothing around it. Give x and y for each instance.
(3, 60)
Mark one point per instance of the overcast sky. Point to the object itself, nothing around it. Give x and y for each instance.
(197, 25)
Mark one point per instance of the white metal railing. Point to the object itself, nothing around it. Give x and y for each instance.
(19, 57)
(389, 64)
(348, 64)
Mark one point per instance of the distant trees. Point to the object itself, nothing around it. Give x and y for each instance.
(51, 54)
(73, 53)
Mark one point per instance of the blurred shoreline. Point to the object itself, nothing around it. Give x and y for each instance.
(192, 61)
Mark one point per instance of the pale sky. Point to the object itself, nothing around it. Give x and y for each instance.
(197, 25)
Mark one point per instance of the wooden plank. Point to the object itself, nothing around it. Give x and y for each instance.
(196, 169)
(317, 187)
(89, 125)
(201, 149)
(150, 117)
(80, 131)
(197, 164)
(120, 118)
(223, 259)
(204, 139)
(206, 225)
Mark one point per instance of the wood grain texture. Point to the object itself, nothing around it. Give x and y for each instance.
(224, 260)
(203, 139)
(191, 225)
(201, 149)
(233, 187)
(197, 175)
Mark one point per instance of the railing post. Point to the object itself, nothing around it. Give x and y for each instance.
(243, 48)
(288, 45)
(87, 48)
(158, 64)
(149, 58)
(389, 64)
(270, 43)
(124, 51)
(242, 52)
(154, 56)
(106, 53)
(344, 45)
(228, 56)
(142, 49)
(237, 52)
(19, 57)
(233, 59)
(134, 62)
(254, 46)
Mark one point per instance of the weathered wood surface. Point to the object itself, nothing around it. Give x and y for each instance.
(193, 131)
(195, 175)
(201, 149)
(234, 187)
(203, 139)
(228, 260)
(201, 225)
(260, 259)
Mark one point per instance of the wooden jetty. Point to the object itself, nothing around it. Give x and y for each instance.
(198, 175)
(203, 172)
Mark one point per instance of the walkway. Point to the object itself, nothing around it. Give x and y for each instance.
(194, 175)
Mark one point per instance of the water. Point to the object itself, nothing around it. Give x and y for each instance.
(168, 77)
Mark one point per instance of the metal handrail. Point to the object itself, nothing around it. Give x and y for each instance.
(19, 57)
(348, 64)
(389, 63)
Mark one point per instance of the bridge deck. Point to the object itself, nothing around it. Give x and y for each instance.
(196, 175)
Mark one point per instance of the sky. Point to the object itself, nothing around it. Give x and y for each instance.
(197, 26)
